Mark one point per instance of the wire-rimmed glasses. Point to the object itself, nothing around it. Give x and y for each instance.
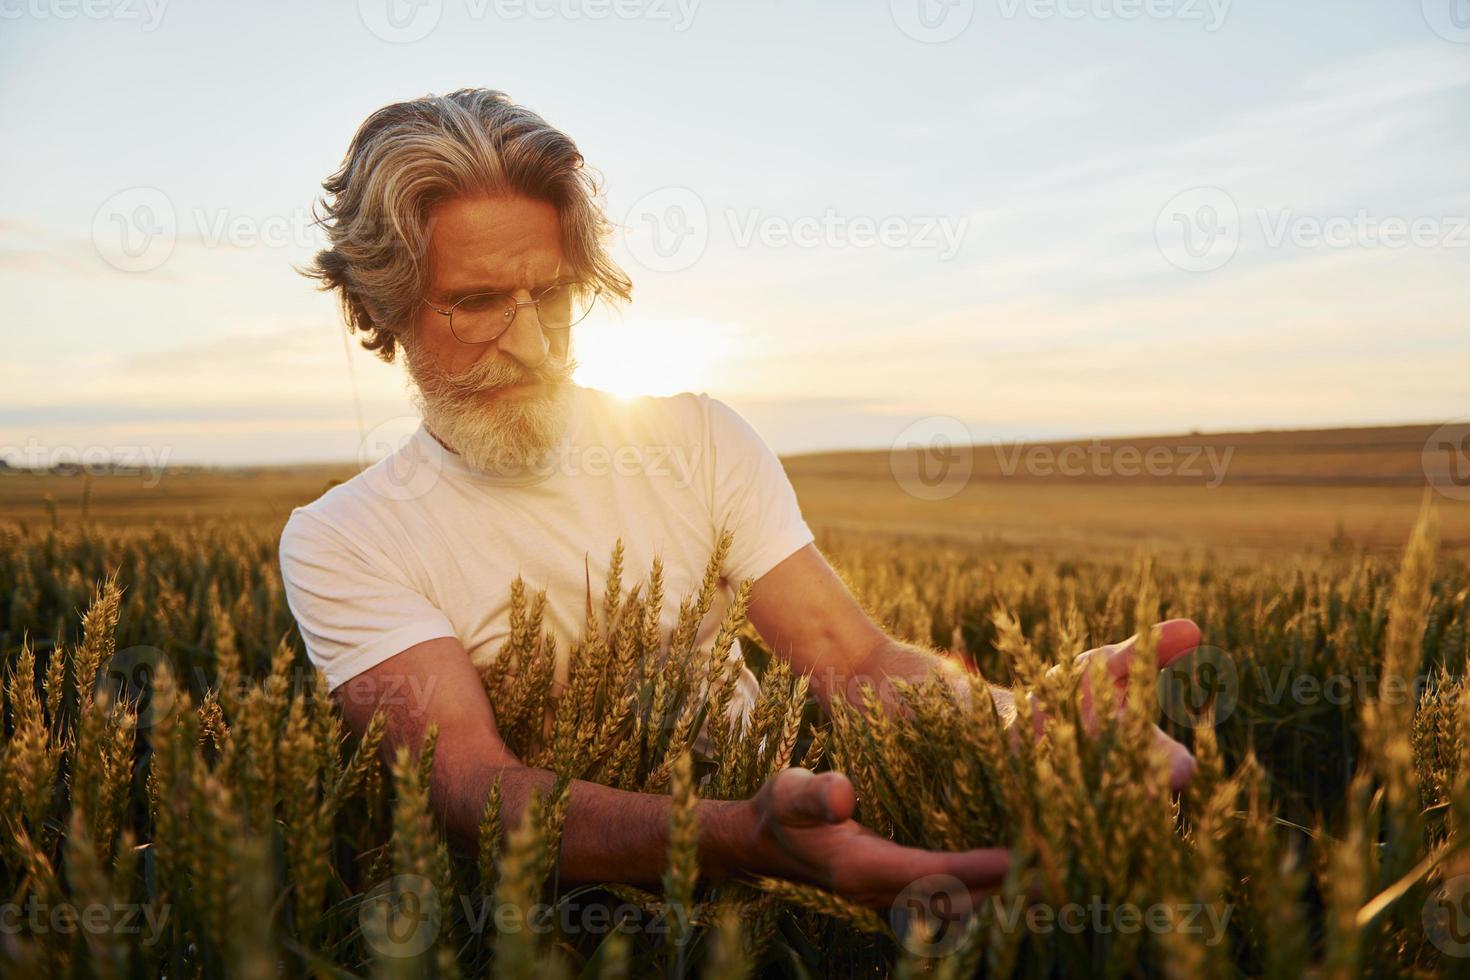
(482, 317)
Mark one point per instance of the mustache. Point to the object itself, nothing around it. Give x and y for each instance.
(499, 372)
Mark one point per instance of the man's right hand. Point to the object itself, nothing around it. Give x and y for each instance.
(804, 831)
(798, 825)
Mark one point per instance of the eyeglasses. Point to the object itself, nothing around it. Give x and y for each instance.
(482, 317)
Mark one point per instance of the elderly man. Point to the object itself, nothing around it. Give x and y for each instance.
(466, 232)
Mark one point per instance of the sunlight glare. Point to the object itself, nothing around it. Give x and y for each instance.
(649, 357)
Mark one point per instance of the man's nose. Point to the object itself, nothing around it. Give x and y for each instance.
(524, 339)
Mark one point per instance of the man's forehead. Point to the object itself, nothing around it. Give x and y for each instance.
(493, 243)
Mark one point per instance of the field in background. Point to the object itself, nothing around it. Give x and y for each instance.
(1311, 490)
(1323, 834)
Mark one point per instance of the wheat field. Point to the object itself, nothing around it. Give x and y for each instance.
(182, 799)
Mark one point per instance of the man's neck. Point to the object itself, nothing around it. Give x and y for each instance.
(441, 442)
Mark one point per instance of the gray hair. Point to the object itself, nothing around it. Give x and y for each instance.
(407, 157)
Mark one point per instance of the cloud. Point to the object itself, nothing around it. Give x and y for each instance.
(281, 369)
(1043, 102)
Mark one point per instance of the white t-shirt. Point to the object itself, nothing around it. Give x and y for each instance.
(420, 545)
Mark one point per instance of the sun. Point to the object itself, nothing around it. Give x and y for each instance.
(648, 357)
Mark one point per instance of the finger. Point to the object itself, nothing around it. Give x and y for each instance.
(1176, 638)
(1029, 887)
(1172, 639)
(805, 798)
(984, 868)
(1181, 761)
(889, 869)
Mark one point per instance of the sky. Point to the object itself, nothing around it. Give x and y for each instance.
(845, 218)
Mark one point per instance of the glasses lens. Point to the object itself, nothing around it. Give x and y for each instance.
(479, 319)
(563, 305)
(582, 302)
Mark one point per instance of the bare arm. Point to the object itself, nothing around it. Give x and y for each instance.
(609, 835)
(805, 613)
(797, 826)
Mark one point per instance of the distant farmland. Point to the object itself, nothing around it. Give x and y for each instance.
(1321, 488)
(1314, 489)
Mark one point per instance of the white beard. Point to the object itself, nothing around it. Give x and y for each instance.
(498, 434)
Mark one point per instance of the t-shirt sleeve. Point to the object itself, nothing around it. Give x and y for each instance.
(353, 609)
(753, 498)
